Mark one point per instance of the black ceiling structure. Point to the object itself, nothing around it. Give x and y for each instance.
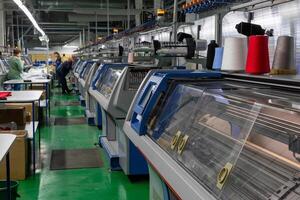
(63, 20)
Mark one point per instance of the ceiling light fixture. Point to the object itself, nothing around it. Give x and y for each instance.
(29, 15)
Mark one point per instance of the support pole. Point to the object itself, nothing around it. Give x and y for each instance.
(96, 24)
(218, 33)
(139, 6)
(22, 37)
(156, 4)
(175, 20)
(18, 30)
(80, 39)
(174, 60)
(83, 37)
(89, 32)
(2, 25)
(12, 37)
(128, 14)
(107, 11)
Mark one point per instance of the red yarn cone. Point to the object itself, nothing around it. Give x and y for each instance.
(258, 55)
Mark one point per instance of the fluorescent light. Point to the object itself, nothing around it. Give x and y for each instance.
(29, 15)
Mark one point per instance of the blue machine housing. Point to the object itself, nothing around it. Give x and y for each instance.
(158, 84)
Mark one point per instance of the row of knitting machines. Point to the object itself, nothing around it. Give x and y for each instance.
(197, 134)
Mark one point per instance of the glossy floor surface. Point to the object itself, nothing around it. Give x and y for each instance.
(79, 184)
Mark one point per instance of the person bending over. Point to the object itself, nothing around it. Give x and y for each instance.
(63, 71)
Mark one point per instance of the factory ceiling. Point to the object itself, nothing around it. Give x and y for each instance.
(63, 20)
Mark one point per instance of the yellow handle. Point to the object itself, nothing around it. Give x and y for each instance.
(182, 144)
(175, 140)
(223, 175)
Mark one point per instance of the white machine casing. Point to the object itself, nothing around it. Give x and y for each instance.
(114, 111)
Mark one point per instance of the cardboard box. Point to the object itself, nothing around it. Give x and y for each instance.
(15, 114)
(28, 109)
(19, 165)
(38, 87)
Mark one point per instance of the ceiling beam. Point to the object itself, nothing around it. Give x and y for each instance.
(92, 18)
(63, 23)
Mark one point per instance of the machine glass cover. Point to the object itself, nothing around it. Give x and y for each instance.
(237, 142)
(76, 68)
(27, 60)
(5, 63)
(2, 68)
(87, 70)
(98, 76)
(80, 67)
(76, 65)
(196, 131)
(106, 85)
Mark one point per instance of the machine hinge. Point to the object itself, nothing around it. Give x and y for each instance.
(287, 189)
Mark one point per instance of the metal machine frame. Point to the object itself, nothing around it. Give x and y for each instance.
(121, 152)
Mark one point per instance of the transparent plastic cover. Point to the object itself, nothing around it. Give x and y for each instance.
(107, 83)
(237, 142)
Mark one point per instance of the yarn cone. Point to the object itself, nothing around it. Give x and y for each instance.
(235, 54)
(258, 55)
(218, 58)
(284, 58)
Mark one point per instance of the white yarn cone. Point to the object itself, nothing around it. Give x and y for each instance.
(235, 54)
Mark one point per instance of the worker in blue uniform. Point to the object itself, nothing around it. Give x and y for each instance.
(62, 72)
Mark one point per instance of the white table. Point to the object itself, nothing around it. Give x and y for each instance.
(30, 81)
(44, 82)
(6, 141)
(29, 96)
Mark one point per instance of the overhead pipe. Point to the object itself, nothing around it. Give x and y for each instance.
(71, 4)
(259, 4)
(252, 3)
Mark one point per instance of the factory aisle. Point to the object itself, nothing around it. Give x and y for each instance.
(78, 184)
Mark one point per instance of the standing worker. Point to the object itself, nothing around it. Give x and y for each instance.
(57, 64)
(57, 61)
(15, 68)
(63, 71)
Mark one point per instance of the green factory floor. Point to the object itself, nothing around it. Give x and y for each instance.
(79, 184)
